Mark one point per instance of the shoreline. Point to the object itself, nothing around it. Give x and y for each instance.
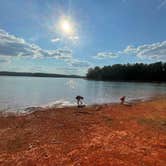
(108, 134)
(31, 109)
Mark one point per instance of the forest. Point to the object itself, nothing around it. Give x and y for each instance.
(154, 72)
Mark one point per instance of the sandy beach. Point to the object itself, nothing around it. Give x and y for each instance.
(109, 134)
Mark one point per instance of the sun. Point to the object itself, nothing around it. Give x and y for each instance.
(66, 26)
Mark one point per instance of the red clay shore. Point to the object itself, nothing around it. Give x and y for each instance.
(105, 135)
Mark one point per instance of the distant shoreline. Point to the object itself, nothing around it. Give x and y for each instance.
(135, 81)
(50, 75)
(28, 74)
(141, 72)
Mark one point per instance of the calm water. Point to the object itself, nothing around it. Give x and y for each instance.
(17, 93)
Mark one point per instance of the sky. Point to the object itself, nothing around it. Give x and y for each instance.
(70, 36)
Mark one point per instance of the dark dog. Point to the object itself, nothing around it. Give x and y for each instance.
(79, 100)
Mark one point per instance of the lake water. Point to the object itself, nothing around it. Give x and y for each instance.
(18, 93)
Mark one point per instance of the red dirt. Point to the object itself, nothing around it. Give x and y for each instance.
(115, 135)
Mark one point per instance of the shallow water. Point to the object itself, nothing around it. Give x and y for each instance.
(18, 93)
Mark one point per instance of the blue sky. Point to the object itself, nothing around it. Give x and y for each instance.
(101, 32)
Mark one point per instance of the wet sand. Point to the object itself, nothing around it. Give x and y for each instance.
(110, 134)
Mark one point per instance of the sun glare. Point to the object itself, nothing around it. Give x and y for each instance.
(66, 27)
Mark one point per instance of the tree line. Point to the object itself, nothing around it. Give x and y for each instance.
(129, 72)
(25, 74)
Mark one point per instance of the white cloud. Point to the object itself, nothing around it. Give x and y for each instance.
(155, 51)
(63, 54)
(79, 63)
(56, 40)
(103, 55)
(129, 50)
(11, 45)
(73, 38)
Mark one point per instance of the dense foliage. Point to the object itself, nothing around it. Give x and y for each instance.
(129, 72)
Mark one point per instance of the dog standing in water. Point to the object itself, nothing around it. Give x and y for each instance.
(79, 101)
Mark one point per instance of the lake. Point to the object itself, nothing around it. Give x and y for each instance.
(18, 93)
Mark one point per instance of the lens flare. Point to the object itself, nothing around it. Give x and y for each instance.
(66, 27)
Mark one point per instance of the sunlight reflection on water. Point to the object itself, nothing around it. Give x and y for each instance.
(21, 92)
